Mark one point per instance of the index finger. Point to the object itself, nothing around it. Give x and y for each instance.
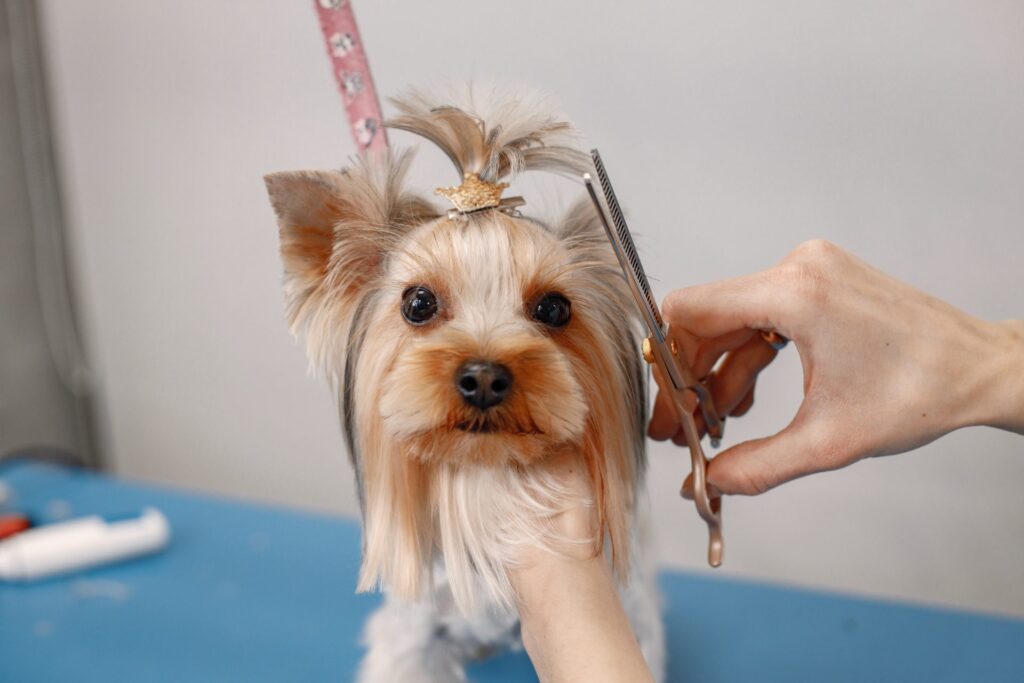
(718, 308)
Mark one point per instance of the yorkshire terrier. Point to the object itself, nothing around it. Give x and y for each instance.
(468, 348)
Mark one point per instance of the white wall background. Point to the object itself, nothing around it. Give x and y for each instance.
(735, 130)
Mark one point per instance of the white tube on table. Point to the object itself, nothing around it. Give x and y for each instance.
(79, 544)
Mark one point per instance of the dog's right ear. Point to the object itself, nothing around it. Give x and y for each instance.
(308, 209)
(336, 230)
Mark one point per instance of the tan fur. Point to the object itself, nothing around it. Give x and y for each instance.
(493, 134)
(336, 228)
(352, 243)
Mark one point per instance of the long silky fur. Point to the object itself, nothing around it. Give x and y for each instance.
(336, 230)
(495, 135)
(352, 241)
(478, 507)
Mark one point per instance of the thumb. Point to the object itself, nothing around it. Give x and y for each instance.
(756, 466)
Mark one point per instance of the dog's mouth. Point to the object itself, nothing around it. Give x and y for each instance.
(476, 427)
(488, 427)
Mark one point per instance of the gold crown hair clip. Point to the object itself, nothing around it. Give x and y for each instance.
(475, 194)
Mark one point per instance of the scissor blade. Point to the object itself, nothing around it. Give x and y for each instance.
(625, 250)
(622, 244)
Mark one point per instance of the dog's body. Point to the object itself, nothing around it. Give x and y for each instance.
(469, 350)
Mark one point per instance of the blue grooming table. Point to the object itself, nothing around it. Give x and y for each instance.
(255, 593)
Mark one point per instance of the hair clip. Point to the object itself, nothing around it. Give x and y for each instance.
(475, 195)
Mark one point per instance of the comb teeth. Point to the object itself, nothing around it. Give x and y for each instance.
(625, 239)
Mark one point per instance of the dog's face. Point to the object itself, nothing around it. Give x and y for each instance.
(489, 326)
(466, 350)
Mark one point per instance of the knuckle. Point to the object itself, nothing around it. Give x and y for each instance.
(754, 480)
(674, 304)
(832, 446)
(840, 449)
(817, 250)
(808, 282)
(743, 408)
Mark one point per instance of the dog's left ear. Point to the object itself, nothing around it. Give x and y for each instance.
(336, 229)
(581, 228)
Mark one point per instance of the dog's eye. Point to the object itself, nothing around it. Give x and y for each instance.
(553, 310)
(418, 305)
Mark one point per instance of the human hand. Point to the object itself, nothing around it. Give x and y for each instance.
(574, 626)
(887, 368)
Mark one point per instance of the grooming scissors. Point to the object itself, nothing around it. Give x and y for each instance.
(673, 374)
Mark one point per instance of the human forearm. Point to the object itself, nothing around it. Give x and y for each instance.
(574, 625)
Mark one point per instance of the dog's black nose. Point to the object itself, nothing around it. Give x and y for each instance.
(483, 384)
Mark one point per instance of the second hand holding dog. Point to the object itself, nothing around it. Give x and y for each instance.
(574, 626)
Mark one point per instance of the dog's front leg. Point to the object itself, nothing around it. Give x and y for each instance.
(408, 642)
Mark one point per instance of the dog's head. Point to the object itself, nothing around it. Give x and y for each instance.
(466, 348)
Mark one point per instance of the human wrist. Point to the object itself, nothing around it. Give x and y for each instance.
(1007, 395)
(990, 388)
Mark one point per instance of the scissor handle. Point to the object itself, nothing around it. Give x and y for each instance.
(683, 402)
(713, 423)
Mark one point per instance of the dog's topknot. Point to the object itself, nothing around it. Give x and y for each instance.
(494, 136)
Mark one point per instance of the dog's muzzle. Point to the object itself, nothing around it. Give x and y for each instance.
(483, 384)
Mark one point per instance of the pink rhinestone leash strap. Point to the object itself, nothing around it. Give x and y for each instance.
(352, 72)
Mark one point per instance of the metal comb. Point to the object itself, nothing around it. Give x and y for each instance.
(673, 374)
